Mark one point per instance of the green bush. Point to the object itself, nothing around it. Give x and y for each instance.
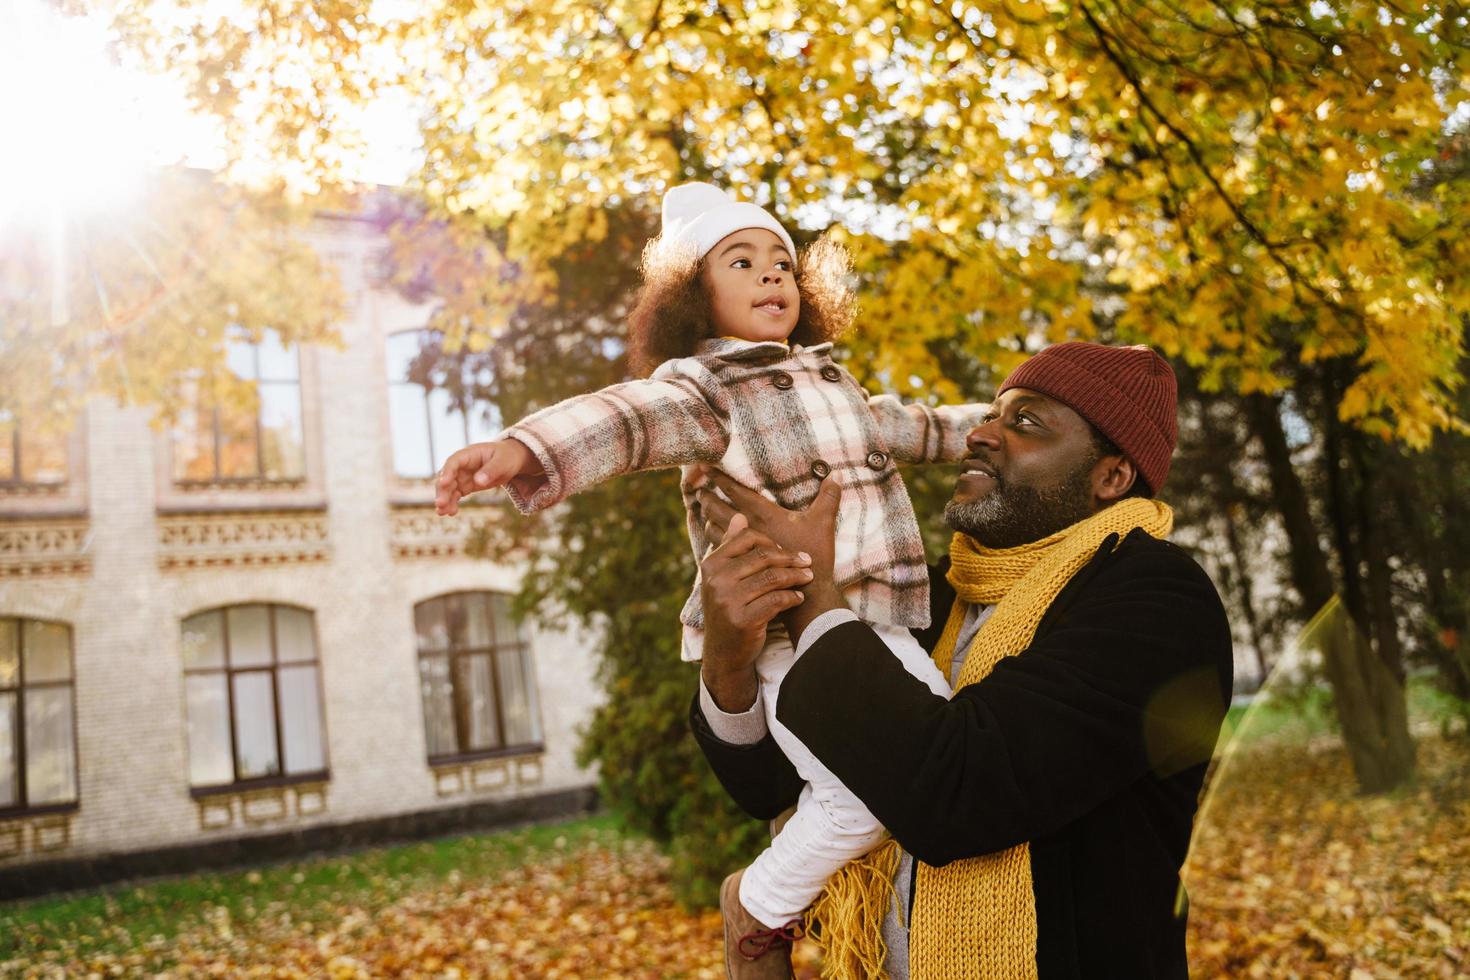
(617, 559)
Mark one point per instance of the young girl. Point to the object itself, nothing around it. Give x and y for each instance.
(745, 381)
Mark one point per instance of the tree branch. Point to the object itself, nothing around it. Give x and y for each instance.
(1273, 249)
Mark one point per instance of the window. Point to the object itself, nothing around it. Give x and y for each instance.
(476, 677)
(253, 691)
(30, 456)
(261, 440)
(431, 417)
(38, 749)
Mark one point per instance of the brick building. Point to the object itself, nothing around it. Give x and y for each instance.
(249, 635)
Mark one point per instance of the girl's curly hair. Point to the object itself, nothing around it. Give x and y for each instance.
(671, 314)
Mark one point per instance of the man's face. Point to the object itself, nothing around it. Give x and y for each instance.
(1032, 470)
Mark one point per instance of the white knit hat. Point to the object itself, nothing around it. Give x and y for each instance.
(702, 215)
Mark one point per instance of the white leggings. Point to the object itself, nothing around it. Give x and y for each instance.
(831, 826)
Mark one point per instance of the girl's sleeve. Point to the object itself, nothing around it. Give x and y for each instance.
(668, 420)
(923, 433)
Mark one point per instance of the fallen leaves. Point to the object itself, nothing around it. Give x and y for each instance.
(1293, 875)
(603, 910)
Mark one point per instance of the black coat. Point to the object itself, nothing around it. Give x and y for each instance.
(1092, 745)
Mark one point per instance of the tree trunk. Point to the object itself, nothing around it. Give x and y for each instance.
(1363, 694)
(1309, 572)
(1368, 700)
(1443, 558)
(1367, 676)
(1390, 696)
(1454, 549)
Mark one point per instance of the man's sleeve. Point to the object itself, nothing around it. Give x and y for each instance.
(638, 425)
(731, 741)
(758, 776)
(736, 728)
(1131, 679)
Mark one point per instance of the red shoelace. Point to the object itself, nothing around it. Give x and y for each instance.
(762, 940)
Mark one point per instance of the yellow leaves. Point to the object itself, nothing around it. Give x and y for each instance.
(151, 300)
(874, 47)
(1252, 380)
(1067, 85)
(1356, 403)
(1292, 873)
(1291, 191)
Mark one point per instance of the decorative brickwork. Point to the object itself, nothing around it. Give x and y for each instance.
(45, 547)
(421, 533)
(486, 775)
(264, 538)
(47, 491)
(250, 809)
(187, 487)
(36, 837)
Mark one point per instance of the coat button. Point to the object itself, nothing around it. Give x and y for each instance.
(782, 380)
(877, 460)
(820, 469)
(831, 373)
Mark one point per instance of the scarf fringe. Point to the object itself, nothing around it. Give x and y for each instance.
(846, 920)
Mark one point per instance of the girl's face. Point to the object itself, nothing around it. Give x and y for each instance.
(752, 286)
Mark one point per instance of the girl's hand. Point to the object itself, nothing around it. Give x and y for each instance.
(482, 466)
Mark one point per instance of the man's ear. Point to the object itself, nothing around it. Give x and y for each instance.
(1112, 478)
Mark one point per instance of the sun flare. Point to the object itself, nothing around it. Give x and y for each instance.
(79, 131)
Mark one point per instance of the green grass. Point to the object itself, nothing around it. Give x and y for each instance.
(1308, 712)
(123, 917)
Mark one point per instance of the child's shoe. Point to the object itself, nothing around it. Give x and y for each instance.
(753, 951)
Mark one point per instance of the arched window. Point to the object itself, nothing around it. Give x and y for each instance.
(431, 415)
(253, 690)
(38, 746)
(260, 441)
(476, 677)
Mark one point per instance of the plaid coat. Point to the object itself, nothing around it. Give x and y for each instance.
(776, 420)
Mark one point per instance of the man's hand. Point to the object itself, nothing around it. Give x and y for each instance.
(812, 532)
(481, 466)
(747, 582)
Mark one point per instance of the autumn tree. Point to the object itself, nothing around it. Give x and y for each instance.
(140, 306)
(1254, 187)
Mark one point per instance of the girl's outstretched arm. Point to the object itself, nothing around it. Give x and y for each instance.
(481, 466)
(918, 433)
(668, 420)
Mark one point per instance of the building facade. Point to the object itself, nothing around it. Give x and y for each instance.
(252, 626)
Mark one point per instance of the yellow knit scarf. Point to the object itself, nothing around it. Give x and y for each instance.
(976, 917)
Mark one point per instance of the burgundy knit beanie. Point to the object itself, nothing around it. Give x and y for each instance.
(1127, 393)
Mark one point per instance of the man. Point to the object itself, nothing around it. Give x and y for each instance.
(1045, 809)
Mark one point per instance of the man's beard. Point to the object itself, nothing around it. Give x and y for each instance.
(1014, 514)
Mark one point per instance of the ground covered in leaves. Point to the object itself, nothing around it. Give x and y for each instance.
(578, 901)
(1292, 875)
